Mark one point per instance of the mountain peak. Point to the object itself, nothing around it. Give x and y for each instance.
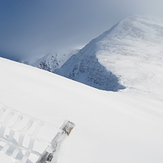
(109, 61)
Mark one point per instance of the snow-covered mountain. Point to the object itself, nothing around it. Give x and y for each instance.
(50, 62)
(130, 53)
(117, 127)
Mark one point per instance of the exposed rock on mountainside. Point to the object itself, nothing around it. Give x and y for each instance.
(50, 62)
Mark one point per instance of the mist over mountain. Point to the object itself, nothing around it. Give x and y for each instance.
(34, 28)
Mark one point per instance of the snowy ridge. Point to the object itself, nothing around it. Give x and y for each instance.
(50, 62)
(131, 51)
(85, 68)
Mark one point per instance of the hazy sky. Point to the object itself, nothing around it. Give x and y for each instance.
(32, 28)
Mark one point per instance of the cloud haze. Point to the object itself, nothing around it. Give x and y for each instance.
(32, 28)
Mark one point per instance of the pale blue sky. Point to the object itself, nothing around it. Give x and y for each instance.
(32, 28)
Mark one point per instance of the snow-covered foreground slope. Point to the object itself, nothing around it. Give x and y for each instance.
(114, 127)
(130, 53)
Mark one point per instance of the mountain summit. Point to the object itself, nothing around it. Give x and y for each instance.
(128, 54)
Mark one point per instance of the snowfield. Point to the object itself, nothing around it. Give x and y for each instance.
(124, 126)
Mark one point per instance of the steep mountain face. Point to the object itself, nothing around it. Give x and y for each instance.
(127, 54)
(84, 67)
(50, 62)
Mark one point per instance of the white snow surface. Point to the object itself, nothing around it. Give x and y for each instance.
(131, 50)
(50, 62)
(124, 126)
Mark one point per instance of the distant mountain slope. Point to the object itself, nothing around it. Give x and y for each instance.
(50, 62)
(131, 50)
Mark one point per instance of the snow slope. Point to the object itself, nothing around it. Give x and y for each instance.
(124, 126)
(50, 62)
(130, 53)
